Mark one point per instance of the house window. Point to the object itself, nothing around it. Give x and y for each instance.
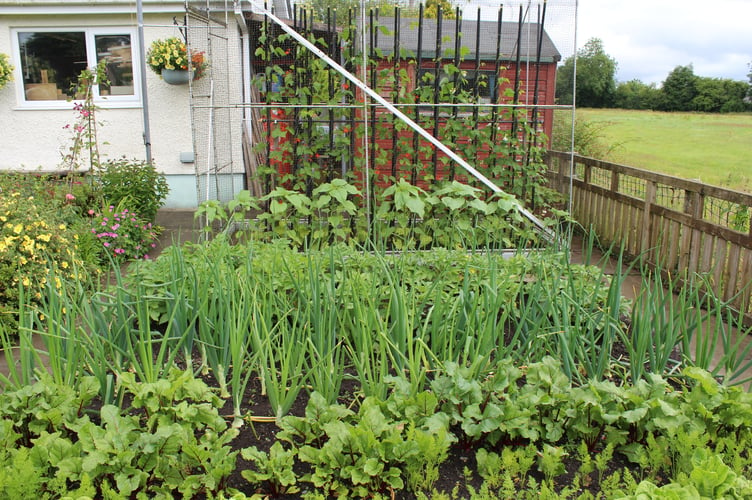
(51, 60)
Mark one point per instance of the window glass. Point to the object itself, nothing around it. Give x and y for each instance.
(50, 63)
(116, 50)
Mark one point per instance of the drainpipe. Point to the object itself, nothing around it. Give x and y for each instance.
(144, 93)
(245, 45)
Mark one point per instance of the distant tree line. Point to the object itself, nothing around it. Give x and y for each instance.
(682, 90)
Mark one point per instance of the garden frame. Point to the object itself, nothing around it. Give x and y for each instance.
(307, 122)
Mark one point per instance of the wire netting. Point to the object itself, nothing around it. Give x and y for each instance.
(480, 78)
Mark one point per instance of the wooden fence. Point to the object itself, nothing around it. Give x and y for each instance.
(682, 227)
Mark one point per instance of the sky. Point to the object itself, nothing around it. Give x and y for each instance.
(649, 38)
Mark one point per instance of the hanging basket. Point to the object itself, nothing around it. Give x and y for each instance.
(176, 76)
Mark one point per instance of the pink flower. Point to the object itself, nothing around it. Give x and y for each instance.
(106, 243)
(91, 212)
(69, 196)
(115, 227)
(119, 251)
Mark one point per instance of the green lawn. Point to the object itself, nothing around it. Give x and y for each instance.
(713, 148)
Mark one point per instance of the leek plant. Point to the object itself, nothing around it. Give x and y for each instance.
(280, 345)
(368, 355)
(21, 357)
(57, 328)
(242, 358)
(720, 343)
(659, 321)
(405, 337)
(216, 322)
(319, 303)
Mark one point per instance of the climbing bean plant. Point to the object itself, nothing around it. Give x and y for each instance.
(317, 127)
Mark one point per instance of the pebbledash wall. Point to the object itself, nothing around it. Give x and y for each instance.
(34, 136)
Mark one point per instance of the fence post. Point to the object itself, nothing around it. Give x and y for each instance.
(694, 206)
(650, 189)
(614, 181)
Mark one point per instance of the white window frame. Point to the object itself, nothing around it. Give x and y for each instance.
(109, 101)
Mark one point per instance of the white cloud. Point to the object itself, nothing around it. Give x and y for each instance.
(650, 38)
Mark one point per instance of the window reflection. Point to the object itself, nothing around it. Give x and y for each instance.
(50, 63)
(116, 50)
(52, 60)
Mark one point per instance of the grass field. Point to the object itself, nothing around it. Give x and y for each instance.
(713, 148)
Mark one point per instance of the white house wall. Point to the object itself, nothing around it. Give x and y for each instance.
(34, 139)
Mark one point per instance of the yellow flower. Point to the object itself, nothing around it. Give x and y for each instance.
(61, 227)
(18, 228)
(45, 237)
(26, 281)
(64, 264)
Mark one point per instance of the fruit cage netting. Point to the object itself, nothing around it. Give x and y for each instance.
(479, 78)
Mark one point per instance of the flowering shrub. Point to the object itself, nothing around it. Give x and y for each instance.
(84, 144)
(171, 53)
(6, 70)
(32, 240)
(135, 184)
(123, 234)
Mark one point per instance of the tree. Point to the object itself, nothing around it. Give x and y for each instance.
(678, 90)
(636, 95)
(719, 95)
(596, 71)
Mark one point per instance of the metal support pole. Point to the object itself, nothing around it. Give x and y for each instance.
(144, 93)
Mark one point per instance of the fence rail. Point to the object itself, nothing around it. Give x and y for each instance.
(681, 226)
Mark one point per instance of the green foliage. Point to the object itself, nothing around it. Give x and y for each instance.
(721, 95)
(596, 71)
(636, 95)
(589, 137)
(6, 70)
(679, 89)
(180, 446)
(312, 153)
(452, 215)
(363, 454)
(34, 238)
(84, 141)
(137, 184)
(123, 235)
(273, 469)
